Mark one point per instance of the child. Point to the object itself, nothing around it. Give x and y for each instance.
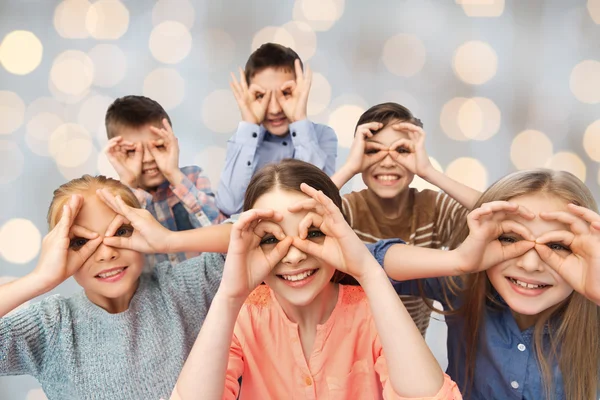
(389, 149)
(127, 334)
(303, 335)
(144, 151)
(272, 96)
(523, 323)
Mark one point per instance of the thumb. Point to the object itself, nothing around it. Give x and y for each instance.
(83, 254)
(552, 259)
(279, 251)
(120, 242)
(516, 249)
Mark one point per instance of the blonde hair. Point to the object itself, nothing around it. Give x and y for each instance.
(86, 183)
(574, 324)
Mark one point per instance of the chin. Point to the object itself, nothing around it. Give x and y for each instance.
(152, 183)
(280, 130)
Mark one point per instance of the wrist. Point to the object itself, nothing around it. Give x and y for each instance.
(373, 275)
(39, 284)
(427, 173)
(174, 177)
(233, 302)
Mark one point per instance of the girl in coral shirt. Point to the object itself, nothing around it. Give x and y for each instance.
(303, 334)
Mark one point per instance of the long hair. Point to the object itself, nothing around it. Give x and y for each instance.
(86, 183)
(574, 324)
(288, 175)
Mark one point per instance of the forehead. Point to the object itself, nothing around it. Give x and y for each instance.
(279, 200)
(272, 78)
(94, 214)
(137, 134)
(388, 135)
(537, 203)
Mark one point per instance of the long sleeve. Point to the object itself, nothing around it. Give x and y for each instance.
(450, 214)
(195, 192)
(143, 197)
(27, 337)
(239, 167)
(315, 144)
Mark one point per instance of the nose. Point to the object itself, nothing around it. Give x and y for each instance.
(274, 106)
(294, 256)
(147, 156)
(106, 253)
(387, 161)
(530, 262)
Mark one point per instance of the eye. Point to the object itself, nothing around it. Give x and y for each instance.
(507, 239)
(259, 96)
(124, 230)
(371, 151)
(315, 234)
(402, 150)
(287, 93)
(130, 152)
(558, 247)
(77, 243)
(269, 239)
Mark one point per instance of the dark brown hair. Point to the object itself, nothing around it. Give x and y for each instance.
(271, 55)
(289, 174)
(134, 112)
(387, 113)
(574, 334)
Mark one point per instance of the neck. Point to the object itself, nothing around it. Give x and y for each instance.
(113, 305)
(392, 207)
(527, 321)
(315, 313)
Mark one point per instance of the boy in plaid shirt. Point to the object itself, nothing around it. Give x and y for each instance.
(144, 151)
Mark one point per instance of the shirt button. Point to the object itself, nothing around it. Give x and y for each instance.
(514, 384)
(249, 163)
(308, 381)
(294, 134)
(284, 143)
(254, 134)
(521, 347)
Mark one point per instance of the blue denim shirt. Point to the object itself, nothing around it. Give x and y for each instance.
(506, 363)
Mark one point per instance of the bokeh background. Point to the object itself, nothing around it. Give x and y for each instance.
(500, 86)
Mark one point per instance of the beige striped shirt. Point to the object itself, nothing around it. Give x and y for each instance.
(429, 221)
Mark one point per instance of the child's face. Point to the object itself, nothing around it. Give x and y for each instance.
(151, 176)
(110, 274)
(387, 179)
(273, 79)
(526, 283)
(298, 278)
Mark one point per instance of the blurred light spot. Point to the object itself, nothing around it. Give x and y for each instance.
(12, 112)
(343, 121)
(468, 171)
(89, 166)
(110, 64)
(166, 86)
(216, 47)
(273, 34)
(170, 42)
(421, 184)
(66, 99)
(482, 8)
(479, 118)
(449, 118)
(69, 19)
(107, 19)
(212, 161)
(349, 98)
(320, 95)
(70, 145)
(404, 55)
(72, 72)
(48, 105)
(21, 52)
(174, 10)
(105, 167)
(220, 112)
(570, 162)
(305, 39)
(20, 241)
(38, 131)
(591, 141)
(593, 7)
(530, 149)
(475, 62)
(11, 161)
(585, 81)
(319, 14)
(92, 112)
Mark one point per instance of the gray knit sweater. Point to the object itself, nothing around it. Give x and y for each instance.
(77, 350)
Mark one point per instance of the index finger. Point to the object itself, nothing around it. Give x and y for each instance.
(329, 206)
(298, 71)
(243, 82)
(115, 224)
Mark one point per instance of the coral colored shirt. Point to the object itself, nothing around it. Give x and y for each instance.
(347, 360)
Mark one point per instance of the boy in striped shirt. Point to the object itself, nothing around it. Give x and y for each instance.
(389, 150)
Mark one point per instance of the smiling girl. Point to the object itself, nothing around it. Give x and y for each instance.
(524, 320)
(127, 334)
(302, 334)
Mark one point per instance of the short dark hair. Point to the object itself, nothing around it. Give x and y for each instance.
(289, 174)
(387, 113)
(271, 55)
(133, 111)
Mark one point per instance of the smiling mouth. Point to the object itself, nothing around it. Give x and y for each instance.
(150, 171)
(387, 179)
(277, 121)
(111, 273)
(525, 285)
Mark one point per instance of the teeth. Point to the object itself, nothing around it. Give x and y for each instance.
(151, 171)
(298, 277)
(526, 285)
(387, 177)
(111, 273)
